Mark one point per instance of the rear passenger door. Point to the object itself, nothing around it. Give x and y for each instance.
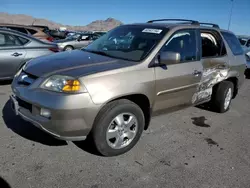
(177, 83)
(12, 54)
(214, 55)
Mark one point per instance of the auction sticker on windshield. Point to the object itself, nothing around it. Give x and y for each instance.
(148, 30)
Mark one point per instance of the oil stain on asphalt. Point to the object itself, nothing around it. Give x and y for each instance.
(200, 121)
(211, 142)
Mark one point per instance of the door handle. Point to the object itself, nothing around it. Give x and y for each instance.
(16, 54)
(197, 73)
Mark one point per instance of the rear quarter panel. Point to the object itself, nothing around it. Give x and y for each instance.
(32, 53)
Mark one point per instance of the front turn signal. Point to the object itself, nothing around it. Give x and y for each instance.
(72, 86)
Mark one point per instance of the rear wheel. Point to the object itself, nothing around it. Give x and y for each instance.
(68, 48)
(118, 127)
(222, 96)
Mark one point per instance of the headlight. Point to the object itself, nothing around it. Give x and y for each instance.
(65, 84)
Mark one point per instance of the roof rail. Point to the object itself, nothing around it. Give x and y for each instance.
(213, 25)
(193, 22)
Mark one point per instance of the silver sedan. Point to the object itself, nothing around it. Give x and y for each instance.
(17, 48)
(76, 41)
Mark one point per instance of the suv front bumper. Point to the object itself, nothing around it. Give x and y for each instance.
(71, 116)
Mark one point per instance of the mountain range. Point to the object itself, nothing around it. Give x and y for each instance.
(99, 25)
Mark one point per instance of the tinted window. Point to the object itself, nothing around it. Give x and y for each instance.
(32, 31)
(183, 42)
(23, 40)
(248, 43)
(130, 42)
(233, 43)
(242, 41)
(212, 45)
(22, 30)
(7, 40)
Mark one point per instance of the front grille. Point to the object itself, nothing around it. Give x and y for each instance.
(26, 79)
(24, 104)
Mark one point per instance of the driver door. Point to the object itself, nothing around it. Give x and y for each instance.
(177, 83)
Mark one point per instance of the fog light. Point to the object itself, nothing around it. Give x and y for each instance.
(45, 112)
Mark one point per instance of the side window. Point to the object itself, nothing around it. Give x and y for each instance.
(7, 40)
(233, 43)
(20, 29)
(212, 45)
(2, 39)
(248, 43)
(184, 43)
(32, 31)
(84, 37)
(23, 40)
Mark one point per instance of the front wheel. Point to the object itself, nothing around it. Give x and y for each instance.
(68, 48)
(118, 127)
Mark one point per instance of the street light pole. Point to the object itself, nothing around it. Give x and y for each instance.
(230, 16)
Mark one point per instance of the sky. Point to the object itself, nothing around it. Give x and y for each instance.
(82, 12)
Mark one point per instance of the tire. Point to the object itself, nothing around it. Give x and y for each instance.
(219, 96)
(68, 48)
(103, 124)
(247, 73)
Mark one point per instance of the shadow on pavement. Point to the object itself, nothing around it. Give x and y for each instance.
(206, 107)
(5, 82)
(3, 183)
(26, 129)
(87, 146)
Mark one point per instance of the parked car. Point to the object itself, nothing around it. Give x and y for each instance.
(108, 92)
(100, 33)
(57, 35)
(247, 72)
(42, 27)
(76, 41)
(17, 48)
(33, 31)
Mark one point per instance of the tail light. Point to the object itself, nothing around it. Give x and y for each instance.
(54, 49)
(50, 39)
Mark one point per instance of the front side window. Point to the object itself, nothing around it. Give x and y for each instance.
(184, 43)
(129, 42)
(233, 43)
(7, 40)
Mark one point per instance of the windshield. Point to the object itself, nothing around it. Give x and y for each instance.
(130, 42)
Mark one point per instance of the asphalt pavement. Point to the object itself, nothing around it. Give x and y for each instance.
(192, 148)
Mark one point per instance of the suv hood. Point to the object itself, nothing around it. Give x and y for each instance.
(74, 63)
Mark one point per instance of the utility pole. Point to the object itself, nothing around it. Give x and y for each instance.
(230, 16)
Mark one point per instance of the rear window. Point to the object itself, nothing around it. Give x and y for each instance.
(32, 31)
(233, 43)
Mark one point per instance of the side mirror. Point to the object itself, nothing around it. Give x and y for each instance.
(168, 58)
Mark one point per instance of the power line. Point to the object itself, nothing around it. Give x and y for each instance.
(230, 16)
